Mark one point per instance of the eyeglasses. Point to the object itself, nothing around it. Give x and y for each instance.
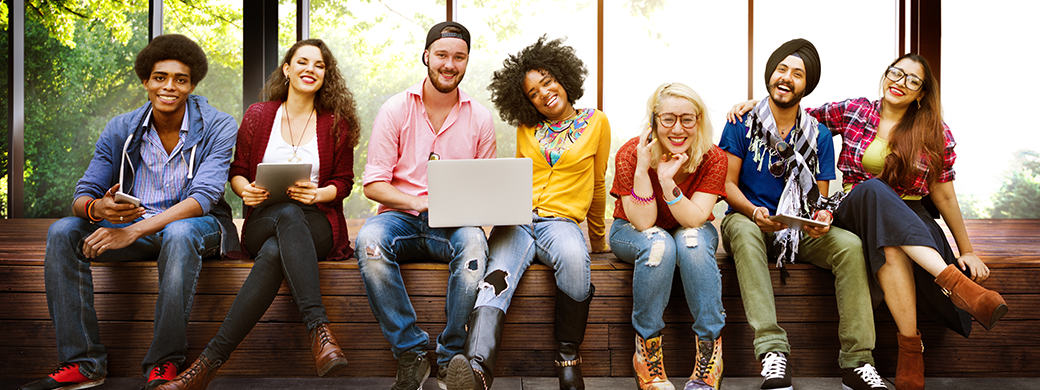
(688, 121)
(782, 148)
(913, 82)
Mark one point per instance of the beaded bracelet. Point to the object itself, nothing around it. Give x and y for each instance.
(89, 207)
(642, 200)
(677, 197)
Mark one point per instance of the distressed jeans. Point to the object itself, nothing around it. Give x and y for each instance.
(179, 248)
(656, 253)
(556, 242)
(839, 251)
(393, 237)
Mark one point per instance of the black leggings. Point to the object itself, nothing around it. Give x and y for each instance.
(287, 241)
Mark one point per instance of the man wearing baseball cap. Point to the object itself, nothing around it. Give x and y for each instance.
(433, 119)
(780, 161)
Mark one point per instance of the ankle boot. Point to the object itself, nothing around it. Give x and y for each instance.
(987, 306)
(196, 377)
(707, 371)
(327, 355)
(474, 369)
(910, 366)
(571, 318)
(648, 363)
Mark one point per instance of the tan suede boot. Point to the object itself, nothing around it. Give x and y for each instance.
(910, 366)
(987, 306)
(648, 363)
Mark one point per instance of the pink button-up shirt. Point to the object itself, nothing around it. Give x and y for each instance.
(403, 138)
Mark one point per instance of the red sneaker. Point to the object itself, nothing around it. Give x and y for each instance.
(160, 374)
(67, 376)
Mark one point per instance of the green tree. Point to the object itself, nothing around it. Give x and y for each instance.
(1019, 196)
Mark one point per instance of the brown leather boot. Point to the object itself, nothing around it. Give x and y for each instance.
(910, 366)
(327, 354)
(196, 377)
(987, 306)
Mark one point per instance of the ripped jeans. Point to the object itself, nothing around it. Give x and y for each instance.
(656, 253)
(556, 242)
(394, 237)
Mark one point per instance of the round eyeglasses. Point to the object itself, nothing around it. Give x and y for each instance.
(688, 121)
(896, 74)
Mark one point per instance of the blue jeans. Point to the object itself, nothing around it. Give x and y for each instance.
(286, 240)
(556, 242)
(393, 237)
(656, 253)
(179, 248)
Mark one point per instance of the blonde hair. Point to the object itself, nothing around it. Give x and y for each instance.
(702, 138)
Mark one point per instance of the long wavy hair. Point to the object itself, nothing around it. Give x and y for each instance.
(333, 96)
(917, 141)
(507, 84)
(701, 142)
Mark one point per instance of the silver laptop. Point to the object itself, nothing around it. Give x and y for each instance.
(479, 192)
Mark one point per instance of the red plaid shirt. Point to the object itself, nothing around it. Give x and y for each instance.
(856, 120)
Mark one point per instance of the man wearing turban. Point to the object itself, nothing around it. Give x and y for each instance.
(780, 161)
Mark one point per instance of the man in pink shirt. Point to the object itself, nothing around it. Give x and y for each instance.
(430, 120)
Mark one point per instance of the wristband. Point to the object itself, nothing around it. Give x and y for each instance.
(754, 214)
(678, 195)
(640, 199)
(90, 207)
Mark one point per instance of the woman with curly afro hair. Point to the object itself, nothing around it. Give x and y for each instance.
(535, 91)
(308, 116)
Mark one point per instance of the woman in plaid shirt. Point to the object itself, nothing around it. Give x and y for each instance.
(896, 161)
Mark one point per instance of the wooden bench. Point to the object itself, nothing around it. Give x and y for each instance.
(278, 345)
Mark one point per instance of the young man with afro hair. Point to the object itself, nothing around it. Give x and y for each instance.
(153, 191)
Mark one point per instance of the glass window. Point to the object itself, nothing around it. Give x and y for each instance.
(378, 46)
(73, 88)
(998, 161)
(645, 47)
(216, 25)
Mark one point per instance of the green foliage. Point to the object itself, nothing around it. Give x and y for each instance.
(1019, 196)
(70, 94)
(59, 17)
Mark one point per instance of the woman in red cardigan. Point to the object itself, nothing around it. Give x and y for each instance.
(308, 116)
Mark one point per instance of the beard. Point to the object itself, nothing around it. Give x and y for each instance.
(440, 86)
(795, 96)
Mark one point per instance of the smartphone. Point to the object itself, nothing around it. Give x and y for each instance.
(127, 198)
(650, 138)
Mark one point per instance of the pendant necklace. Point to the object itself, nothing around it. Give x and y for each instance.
(292, 139)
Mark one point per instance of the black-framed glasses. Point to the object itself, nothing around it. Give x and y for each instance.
(779, 167)
(688, 121)
(896, 74)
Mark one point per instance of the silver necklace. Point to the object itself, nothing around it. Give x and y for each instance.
(292, 138)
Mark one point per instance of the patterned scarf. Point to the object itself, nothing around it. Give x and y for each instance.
(555, 137)
(799, 175)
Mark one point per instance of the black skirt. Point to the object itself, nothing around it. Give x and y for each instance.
(875, 213)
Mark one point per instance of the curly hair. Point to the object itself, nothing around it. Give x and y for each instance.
(333, 96)
(172, 47)
(507, 84)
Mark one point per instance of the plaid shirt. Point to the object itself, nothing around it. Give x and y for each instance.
(856, 120)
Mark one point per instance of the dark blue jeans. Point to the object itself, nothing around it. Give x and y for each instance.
(287, 241)
(179, 249)
(393, 237)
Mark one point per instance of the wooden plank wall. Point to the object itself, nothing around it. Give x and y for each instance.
(278, 346)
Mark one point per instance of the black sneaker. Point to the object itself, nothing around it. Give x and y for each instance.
(864, 377)
(442, 375)
(775, 375)
(412, 371)
(67, 376)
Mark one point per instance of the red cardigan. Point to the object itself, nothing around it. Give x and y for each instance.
(336, 166)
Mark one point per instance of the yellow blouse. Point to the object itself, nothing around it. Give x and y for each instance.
(574, 187)
(874, 162)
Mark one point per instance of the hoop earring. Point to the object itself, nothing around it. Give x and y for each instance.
(918, 103)
(287, 83)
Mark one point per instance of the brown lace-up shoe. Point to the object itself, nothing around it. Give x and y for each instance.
(196, 377)
(327, 354)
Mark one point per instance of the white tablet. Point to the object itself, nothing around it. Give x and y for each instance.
(797, 222)
(276, 178)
